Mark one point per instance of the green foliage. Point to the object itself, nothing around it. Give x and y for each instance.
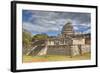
(40, 37)
(26, 39)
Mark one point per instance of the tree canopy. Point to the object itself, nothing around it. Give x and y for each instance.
(40, 37)
(26, 38)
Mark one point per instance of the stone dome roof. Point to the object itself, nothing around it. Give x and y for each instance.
(67, 28)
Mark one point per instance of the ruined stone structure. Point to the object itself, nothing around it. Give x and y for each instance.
(67, 43)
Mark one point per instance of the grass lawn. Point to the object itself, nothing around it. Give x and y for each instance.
(29, 59)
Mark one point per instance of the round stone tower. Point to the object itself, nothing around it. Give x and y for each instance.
(67, 29)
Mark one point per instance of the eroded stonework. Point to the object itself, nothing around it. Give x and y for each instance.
(69, 43)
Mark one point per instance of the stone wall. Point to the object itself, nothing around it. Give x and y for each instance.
(58, 50)
(67, 50)
(77, 41)
(84, 48)
(74, 50)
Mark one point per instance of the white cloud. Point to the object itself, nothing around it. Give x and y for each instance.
(44, 21)
(36, 28)
(75, 28)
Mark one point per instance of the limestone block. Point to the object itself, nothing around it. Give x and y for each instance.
(86, 48)
(75, 50)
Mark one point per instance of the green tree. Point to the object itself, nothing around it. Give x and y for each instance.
(26, 39)
(40, 37)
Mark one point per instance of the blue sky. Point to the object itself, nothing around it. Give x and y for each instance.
(51, 23)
